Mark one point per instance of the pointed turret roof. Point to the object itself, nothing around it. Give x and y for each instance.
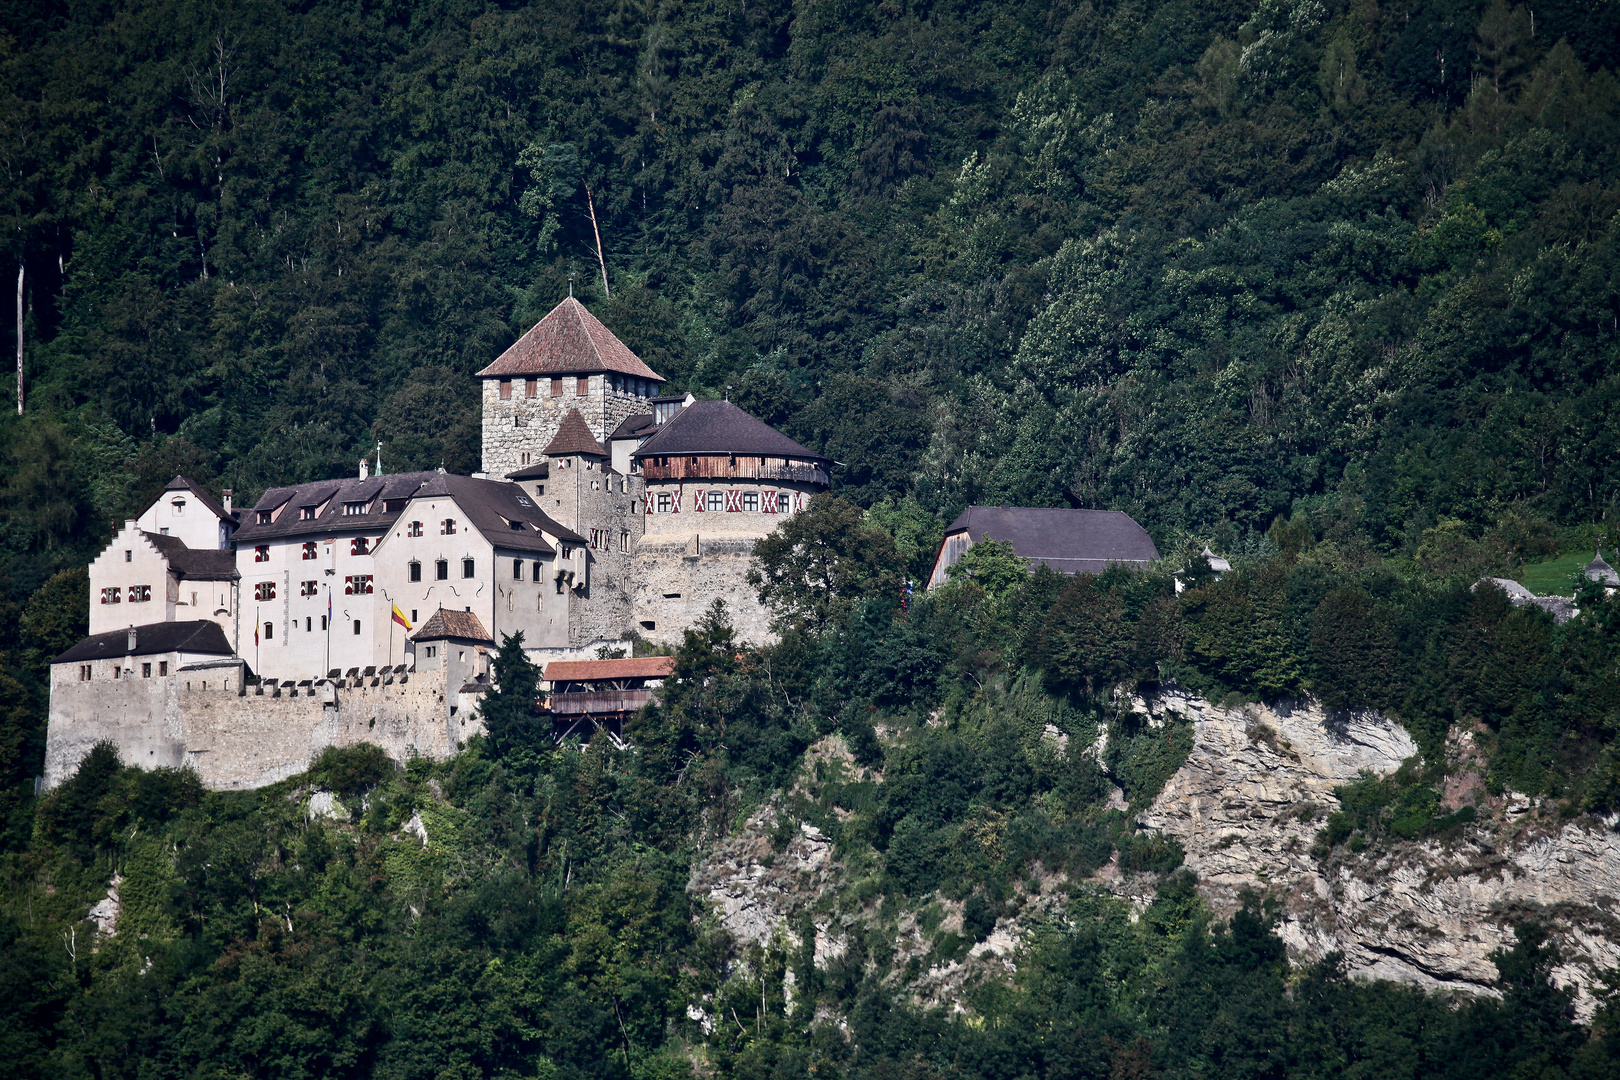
(568, 341)
(460, 625)
(1598, 570)
(574, 437)
(719, 427)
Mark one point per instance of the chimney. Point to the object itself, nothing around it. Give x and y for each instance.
(227, 494)
(365, 468)
(131, 639)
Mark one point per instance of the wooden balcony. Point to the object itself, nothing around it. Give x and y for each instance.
(741, 467)
(599, 702)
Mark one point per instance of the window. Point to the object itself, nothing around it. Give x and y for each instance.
(357, 585)
(360, 545)
(264, 590)
(163, 667)
(309, 624)
(782, 502)
(523, 502)
(717, 501)
(750, 501)
(523, 458)
(556, 388)
(323, 622)
(517, 569)
(531, 387)
(129, 556)
(539, 570)
(309, 549)
(466, 568)
(624, 541)
(179, 507)
(269, 630)
(506, 389)
(663, 502)
(261, 553)
(393, 506)
(441, 570)
(114, 595)
(447, 527)
(413, 615)
(84, 672)
(584, 387)
(414, 529)
(357, 628)
(354, 509)
(265, 516)
(432, 651)
(416, 571)
(306, 513)
(515, 526)
(306, 588)
(146, 671)
(139, 594)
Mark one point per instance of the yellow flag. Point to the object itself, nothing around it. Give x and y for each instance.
(399, 617)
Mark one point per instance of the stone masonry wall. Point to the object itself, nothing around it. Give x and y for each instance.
(521, 424)
(236, 740)
(678, 580)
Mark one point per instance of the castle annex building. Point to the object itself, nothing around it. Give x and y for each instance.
(243, 640)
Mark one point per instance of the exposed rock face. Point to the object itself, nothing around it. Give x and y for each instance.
(1248, 802)
(756, 890)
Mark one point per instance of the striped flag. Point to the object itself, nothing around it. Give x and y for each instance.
(399, 617)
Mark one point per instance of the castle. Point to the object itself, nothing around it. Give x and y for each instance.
(366, 608)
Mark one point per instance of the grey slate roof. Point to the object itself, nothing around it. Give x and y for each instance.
(568, 341)
(541, 471)
(719, 427)
(634, 426)
(458, 625)
(194, 564)
(1598, 570)
(198, 636)
(491, 505)
(1068, 541)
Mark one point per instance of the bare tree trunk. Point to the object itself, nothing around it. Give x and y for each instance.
(21, 269)
(590, 202)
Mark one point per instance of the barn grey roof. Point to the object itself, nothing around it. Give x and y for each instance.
(1068, 541)
(194, 564)
(568, 341)
(456, 625)
(198, 636)
(1598, 570)
(719, 427)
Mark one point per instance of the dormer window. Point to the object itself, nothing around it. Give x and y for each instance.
(523, 502)
(354, 509)
(306, 513)
(516, 525)
(393, 506)
(265, 516)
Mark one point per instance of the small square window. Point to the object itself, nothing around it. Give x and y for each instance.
(163, 667)
(414, 529)
(750, 501)
(146, 671)
(584, 387)
(506, 389)
(261, 553)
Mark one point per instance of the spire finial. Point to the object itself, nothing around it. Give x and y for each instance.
(570, 284)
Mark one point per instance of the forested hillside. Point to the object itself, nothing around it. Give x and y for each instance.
(1334, 286)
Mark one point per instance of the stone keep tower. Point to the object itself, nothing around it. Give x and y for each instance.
(567, 361)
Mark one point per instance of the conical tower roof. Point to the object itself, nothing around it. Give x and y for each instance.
(1598, 570)
(574, 437)
(568, 341)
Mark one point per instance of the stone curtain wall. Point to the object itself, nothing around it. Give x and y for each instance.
(236, 740)
(677, 579)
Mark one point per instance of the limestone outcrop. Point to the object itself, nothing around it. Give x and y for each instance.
(1251, 796)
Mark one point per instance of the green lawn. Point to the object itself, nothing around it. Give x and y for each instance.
(1551, 577)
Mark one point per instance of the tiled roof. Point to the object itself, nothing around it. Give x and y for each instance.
(180, 483)
(568, 341)
(635, 426)
(461, 625)
(198, 636)
(494, 506)
(574, 437)
(195, 564)
(719, 427)
(639, 667)
(1069, 541)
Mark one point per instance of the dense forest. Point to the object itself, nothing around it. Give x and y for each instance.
(1331, 285)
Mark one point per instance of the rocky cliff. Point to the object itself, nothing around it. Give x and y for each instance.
(1246, 807)
(1251, 796)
